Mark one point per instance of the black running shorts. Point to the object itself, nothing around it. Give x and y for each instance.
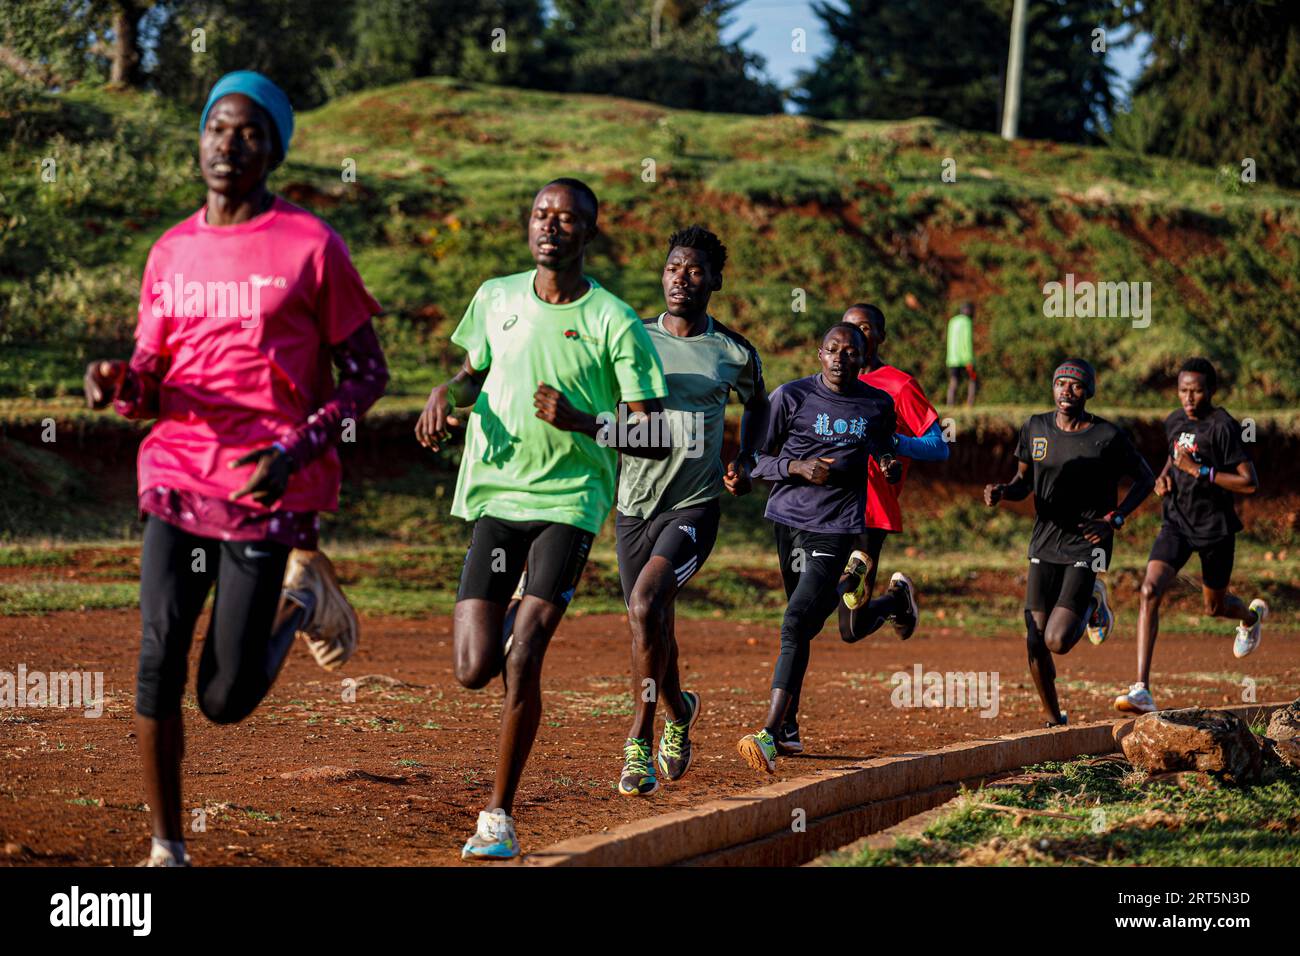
(1173, 548)
(555, 555)
(1059, 585)
(685, 537)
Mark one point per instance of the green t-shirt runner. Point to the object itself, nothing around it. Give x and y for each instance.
(595, 351)
(701, 370)
(961, 341)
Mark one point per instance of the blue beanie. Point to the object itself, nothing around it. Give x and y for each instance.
(262, 92)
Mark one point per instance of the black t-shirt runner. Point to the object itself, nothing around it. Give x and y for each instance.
(1076, 479)
(1203, 513)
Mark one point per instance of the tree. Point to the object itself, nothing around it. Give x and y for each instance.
(1226, 74)
(123, 48)
(395, 40)
(59, 42)
(609, 47)
(295, 42)
(948, 60)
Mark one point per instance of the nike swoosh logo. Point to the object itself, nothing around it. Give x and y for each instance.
(820, 554)
(249, 552)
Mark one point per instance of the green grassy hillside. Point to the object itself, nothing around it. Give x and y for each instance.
(842, 211)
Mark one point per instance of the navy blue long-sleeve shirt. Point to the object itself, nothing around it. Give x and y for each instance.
(808, 420)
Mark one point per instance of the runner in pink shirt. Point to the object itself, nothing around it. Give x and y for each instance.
(242, 309)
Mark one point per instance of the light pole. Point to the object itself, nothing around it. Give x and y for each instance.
(1015, 66)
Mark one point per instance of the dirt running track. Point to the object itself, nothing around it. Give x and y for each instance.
(416, 751)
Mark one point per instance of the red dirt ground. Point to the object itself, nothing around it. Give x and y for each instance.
(69, 788)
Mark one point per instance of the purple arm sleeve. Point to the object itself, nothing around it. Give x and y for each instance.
(137, 393)
(363, 376)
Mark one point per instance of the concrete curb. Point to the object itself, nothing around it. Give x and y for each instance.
(838, 806)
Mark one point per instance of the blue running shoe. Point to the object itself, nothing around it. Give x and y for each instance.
(1102, 619)
(494, 839)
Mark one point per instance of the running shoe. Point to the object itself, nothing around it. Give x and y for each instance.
(787, 740)
(330, 628)
(494, 839)
(1138, 700)
(905, 595)
(858, 566)
(160, 857)
(674, 757)
(1065, 720)
(638, 778)
(1101, 620)
(759, 751)
(1248, 637)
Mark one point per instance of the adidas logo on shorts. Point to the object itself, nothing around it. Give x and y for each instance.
(689, 529)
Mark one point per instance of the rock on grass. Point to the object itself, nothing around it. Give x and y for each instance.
(1195, 739)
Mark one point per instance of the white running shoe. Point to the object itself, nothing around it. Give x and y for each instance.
(494, 839)
(1102, 619)
(1138, 700)
(331, 629)
(1248, 637)
(160, 857)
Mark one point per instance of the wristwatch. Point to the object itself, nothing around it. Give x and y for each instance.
(1114, 519)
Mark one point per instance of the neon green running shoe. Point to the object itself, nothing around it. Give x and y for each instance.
(759, 751)
(858, 566)
(674, 757)
(638, 779)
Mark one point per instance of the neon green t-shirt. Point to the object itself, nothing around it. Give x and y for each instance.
(961, 341)
(595, 351)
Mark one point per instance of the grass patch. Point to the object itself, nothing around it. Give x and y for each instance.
(1112, 816)
(739, 583)
(42, 598)
(27, 557)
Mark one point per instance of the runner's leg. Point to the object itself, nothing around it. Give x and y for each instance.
(1159, 577)
(648, 614)
(243, 654)
(176, 572)
(497, 553)
(1216, 576)
(556, 558)
(522, 711)
(1043, 588)
(869, 617)
(823, 557)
